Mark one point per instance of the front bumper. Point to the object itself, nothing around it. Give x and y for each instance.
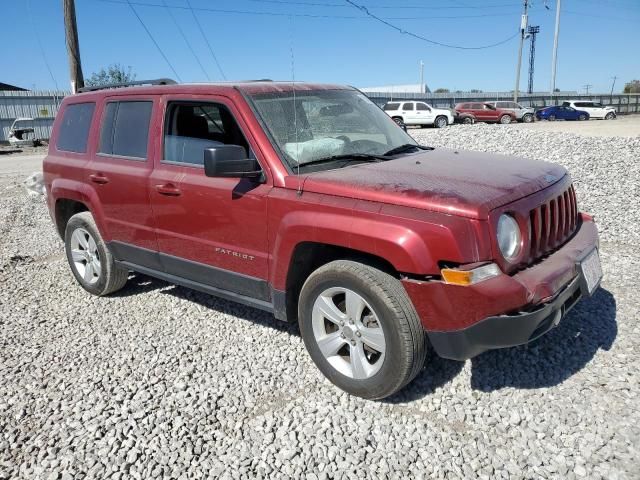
(505, 311)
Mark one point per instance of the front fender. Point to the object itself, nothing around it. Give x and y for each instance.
(411, 240)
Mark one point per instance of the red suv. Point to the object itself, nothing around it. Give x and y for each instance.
(309, 202)
(485, 112)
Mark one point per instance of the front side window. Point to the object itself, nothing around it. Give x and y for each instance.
(191, 128)
(422, 106)
(125, 128)
(322, 124)
(74, 128)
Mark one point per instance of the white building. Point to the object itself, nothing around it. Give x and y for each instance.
(392, 89)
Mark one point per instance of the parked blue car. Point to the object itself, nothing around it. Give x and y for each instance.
(561, 113)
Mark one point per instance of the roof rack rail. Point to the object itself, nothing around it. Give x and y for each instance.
(158, 81)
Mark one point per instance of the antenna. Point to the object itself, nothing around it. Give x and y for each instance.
(295, 108)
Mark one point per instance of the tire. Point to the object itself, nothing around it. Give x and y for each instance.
(610, 116)
(551, 118)
(399, 121)
(440, 122)
(104, 280)
(527, 118)
(388, 314)
(505, 119)
(582, 118)
(467, 121)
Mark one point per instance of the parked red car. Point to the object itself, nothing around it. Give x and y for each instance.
(485, 112)
(309, 202)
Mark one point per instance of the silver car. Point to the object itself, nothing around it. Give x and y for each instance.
(523, 114)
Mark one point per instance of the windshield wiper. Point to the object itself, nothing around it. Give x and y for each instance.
(349, 157)
(405, 148)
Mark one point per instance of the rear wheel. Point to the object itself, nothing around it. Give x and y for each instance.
(527, 118)
(361, 329)
(89, 258)
(399, 121)
(440, 122)
(467, 121)
(505, 119)
(610, 116)
(551, 118)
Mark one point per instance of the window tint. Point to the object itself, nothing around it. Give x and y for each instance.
(407, 106)
(566, 104)
(391, 106)
(477, 106)
(74, 129)
(191, 128)
(422, 106)
(125, 129)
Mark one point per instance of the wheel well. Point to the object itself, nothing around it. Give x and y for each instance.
(399, 117)
(309, 256)
(65, 209)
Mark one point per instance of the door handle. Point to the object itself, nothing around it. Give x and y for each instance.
(168, 189)
(98, 178)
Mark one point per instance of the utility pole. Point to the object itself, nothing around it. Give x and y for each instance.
(587, 87)
(523, 28)
(422, 89)
(614, 78)
(532, 31)
(554, 61)
(73, 48)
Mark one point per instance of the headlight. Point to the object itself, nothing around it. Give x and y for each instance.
(509, 237)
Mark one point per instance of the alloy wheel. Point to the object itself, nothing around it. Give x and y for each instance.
(348, 333)
(85, 255)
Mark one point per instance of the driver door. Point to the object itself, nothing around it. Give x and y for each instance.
(212, 231)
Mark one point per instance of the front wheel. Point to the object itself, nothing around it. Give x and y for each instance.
(551, 118)
(361, 329)
(440, 122)
(610, 116)
(582, 118)
(505, 119)
(89, 258)
(527, 118)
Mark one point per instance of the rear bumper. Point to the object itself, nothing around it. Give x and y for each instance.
(507, 310)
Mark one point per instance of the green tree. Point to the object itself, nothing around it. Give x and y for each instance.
(632, 87)
(475, 90)
(442, 90)
(115, 73)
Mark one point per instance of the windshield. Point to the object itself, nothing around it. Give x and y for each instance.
(325, 124)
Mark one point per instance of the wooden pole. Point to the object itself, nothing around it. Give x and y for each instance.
(73, 48)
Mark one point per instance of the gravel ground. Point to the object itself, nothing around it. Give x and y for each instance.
(159, 381)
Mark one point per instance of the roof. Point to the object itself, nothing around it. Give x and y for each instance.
(11, 88)
(252, 88)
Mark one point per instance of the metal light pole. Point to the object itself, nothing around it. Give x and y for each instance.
(422, 89)
(523, 28)
(554, 62)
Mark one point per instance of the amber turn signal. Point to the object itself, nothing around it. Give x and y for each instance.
(456, 276)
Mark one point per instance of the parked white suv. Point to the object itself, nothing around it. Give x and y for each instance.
(418, 113)
(523, 114)
(594, 109)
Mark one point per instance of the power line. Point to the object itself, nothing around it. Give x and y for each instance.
(186, 40)
(154, 41)
(42, 52)
(366, 11)
(302, 15)
(215, 59)
(377, 7)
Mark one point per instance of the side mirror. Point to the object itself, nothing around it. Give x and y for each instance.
(230, 161)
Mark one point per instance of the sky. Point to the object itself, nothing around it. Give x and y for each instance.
(325, 41)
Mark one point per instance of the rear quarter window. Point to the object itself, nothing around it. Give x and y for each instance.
(391, 106)
(74, 127)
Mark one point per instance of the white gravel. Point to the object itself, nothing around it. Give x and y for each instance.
(162, 382)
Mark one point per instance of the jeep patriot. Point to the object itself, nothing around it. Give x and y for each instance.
(309, 202)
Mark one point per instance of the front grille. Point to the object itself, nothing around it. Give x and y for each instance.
(552, 223)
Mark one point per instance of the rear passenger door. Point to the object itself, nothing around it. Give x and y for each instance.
(119, 173)
(409, 113)
(424, 114)
(212, 231)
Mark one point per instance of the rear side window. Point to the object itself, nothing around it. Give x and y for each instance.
(74, 129)
(125, 129)
(391, 106)
(407, 106)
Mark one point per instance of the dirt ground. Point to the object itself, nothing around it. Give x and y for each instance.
(623, 126)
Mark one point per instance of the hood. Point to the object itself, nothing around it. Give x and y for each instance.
(464, 183)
